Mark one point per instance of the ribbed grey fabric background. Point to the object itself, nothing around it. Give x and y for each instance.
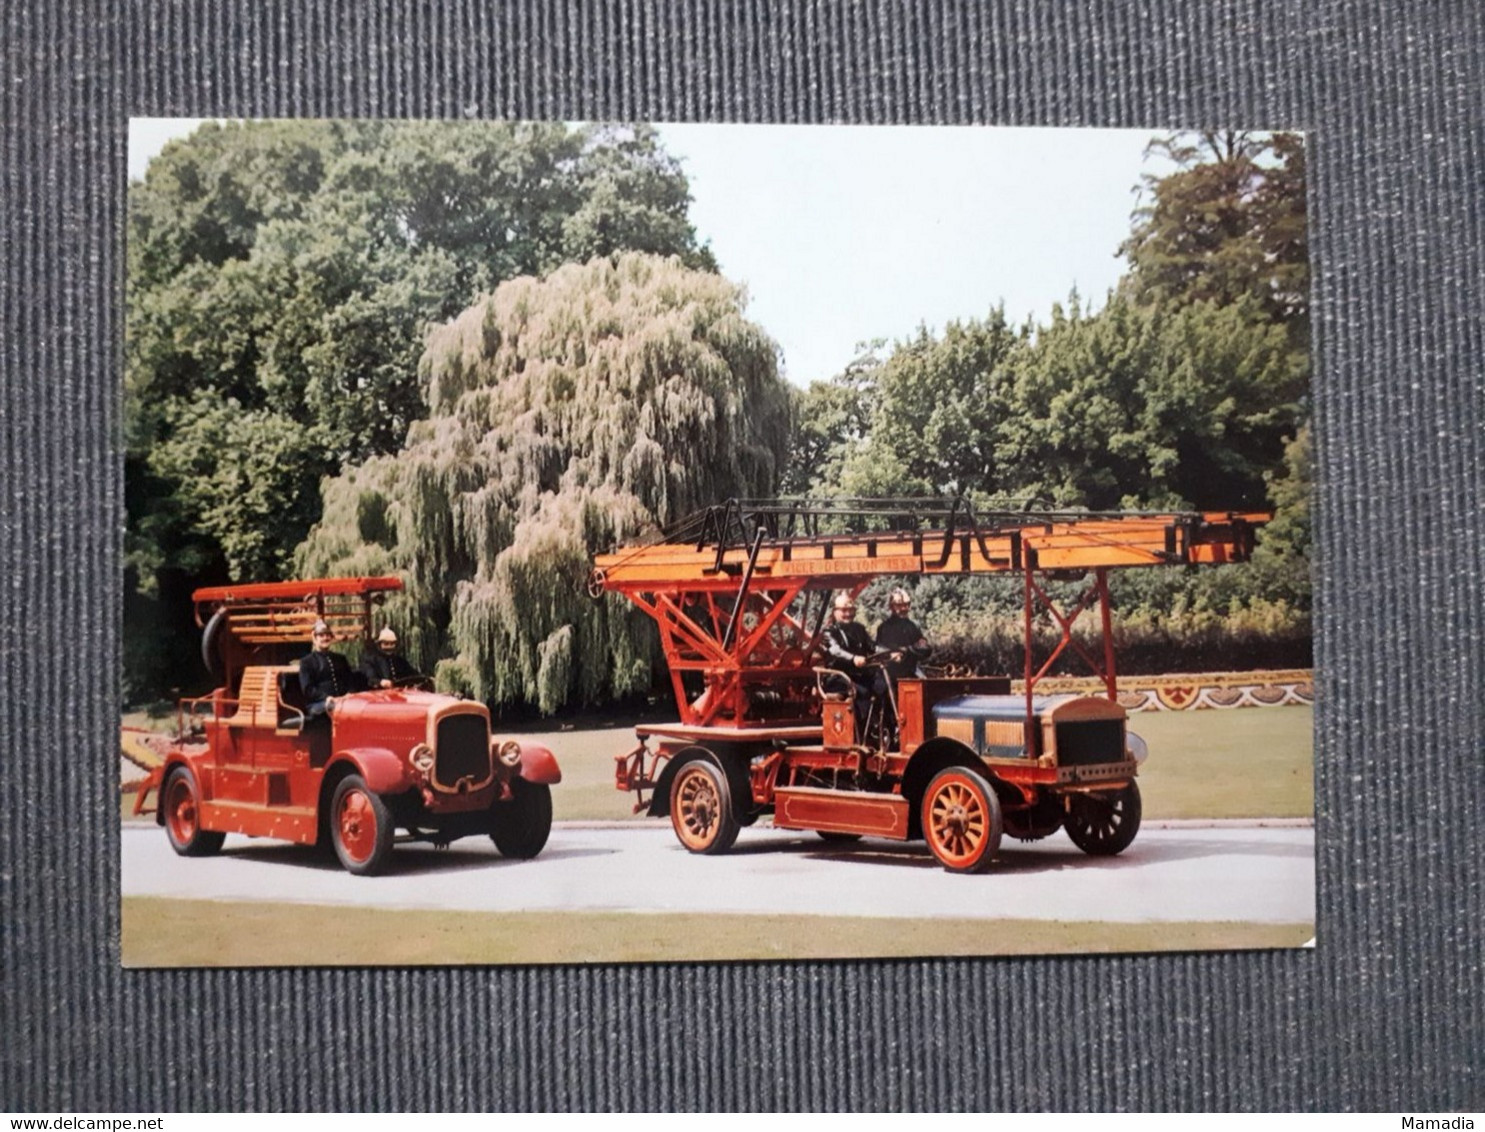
(1386, 1014)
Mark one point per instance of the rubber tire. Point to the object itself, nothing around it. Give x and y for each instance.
(1104, 825)
(521, 826)
(184, 829)
(967, 791)
(701, 808)
(378, 847)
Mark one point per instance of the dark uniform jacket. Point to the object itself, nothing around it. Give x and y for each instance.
(844, 642)
(324, 674)
(899, 634)
(379, 666)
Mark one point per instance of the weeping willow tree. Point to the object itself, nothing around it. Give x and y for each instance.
(565, 414)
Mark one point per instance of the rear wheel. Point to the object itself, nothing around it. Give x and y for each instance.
(701, 808)
(961, 820)
(180, 803)
(520, 827)
(1102, 825)
(360, 827)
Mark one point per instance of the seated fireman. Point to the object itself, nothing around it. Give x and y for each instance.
(847, 647)
(902, 638)
(386, 667)
(324, 675)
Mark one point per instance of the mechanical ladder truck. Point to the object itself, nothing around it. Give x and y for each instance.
(740, 594)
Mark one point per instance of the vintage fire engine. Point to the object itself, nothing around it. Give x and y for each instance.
(247, 760)
(740, 594)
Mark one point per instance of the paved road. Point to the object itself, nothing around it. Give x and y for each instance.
(1250, 873)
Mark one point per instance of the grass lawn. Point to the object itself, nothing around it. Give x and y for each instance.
(1242, 763)
(202, 933)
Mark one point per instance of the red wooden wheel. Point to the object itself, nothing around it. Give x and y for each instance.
(701, 809)
(360, 826)
(180, 807)
(961, 820)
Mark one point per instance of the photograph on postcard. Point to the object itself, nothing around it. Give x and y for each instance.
(625, 542)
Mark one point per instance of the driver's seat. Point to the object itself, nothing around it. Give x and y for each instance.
(291, 704)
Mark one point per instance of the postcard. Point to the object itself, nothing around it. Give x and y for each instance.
(640, 542)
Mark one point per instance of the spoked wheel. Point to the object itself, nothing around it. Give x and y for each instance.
(180, 803)
(961, 820)
(1102, 825)
(701, 809)
(360, 827)
(520, 827)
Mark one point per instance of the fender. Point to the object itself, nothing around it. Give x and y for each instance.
(538, 764)
(932, 757)
(199, 766)
(381, 770)
(735, 770)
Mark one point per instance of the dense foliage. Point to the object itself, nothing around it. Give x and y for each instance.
(566, 415)
(281, 279)
(1187, 389)
(1132, 405)
(474, 354)
(1227, 226)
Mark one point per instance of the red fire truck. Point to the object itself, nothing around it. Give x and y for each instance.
(246, 759)
(741, 593)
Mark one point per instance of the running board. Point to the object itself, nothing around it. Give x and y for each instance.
(841, 811)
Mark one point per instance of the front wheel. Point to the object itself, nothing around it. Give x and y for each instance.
(180, 802)
(520, 827)
(701, 809)
(360, 827)
(961, 820)
(1103, 825)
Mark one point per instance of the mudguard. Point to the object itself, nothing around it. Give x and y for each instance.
(381, 770)
(156, 779)
(538, 764)
(735, 769)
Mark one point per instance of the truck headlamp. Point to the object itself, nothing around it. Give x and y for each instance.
(1138, 750)
(510, 753)
(421, 757)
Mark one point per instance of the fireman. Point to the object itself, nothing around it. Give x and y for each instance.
(901, 637)
(386, 667)
(850, 650)
(323, 675)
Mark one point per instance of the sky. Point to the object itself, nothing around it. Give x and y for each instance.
(843, 234)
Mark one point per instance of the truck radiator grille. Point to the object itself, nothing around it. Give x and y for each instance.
(1089, 742)
(463, 751)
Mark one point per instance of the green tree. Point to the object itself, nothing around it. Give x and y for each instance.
(1227, 225)
(831, 418)
(281, 279)
(1138, 406)
(566, 415)
(939, 409)
(1229, 228)
(291, 269)
(1282, 559)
